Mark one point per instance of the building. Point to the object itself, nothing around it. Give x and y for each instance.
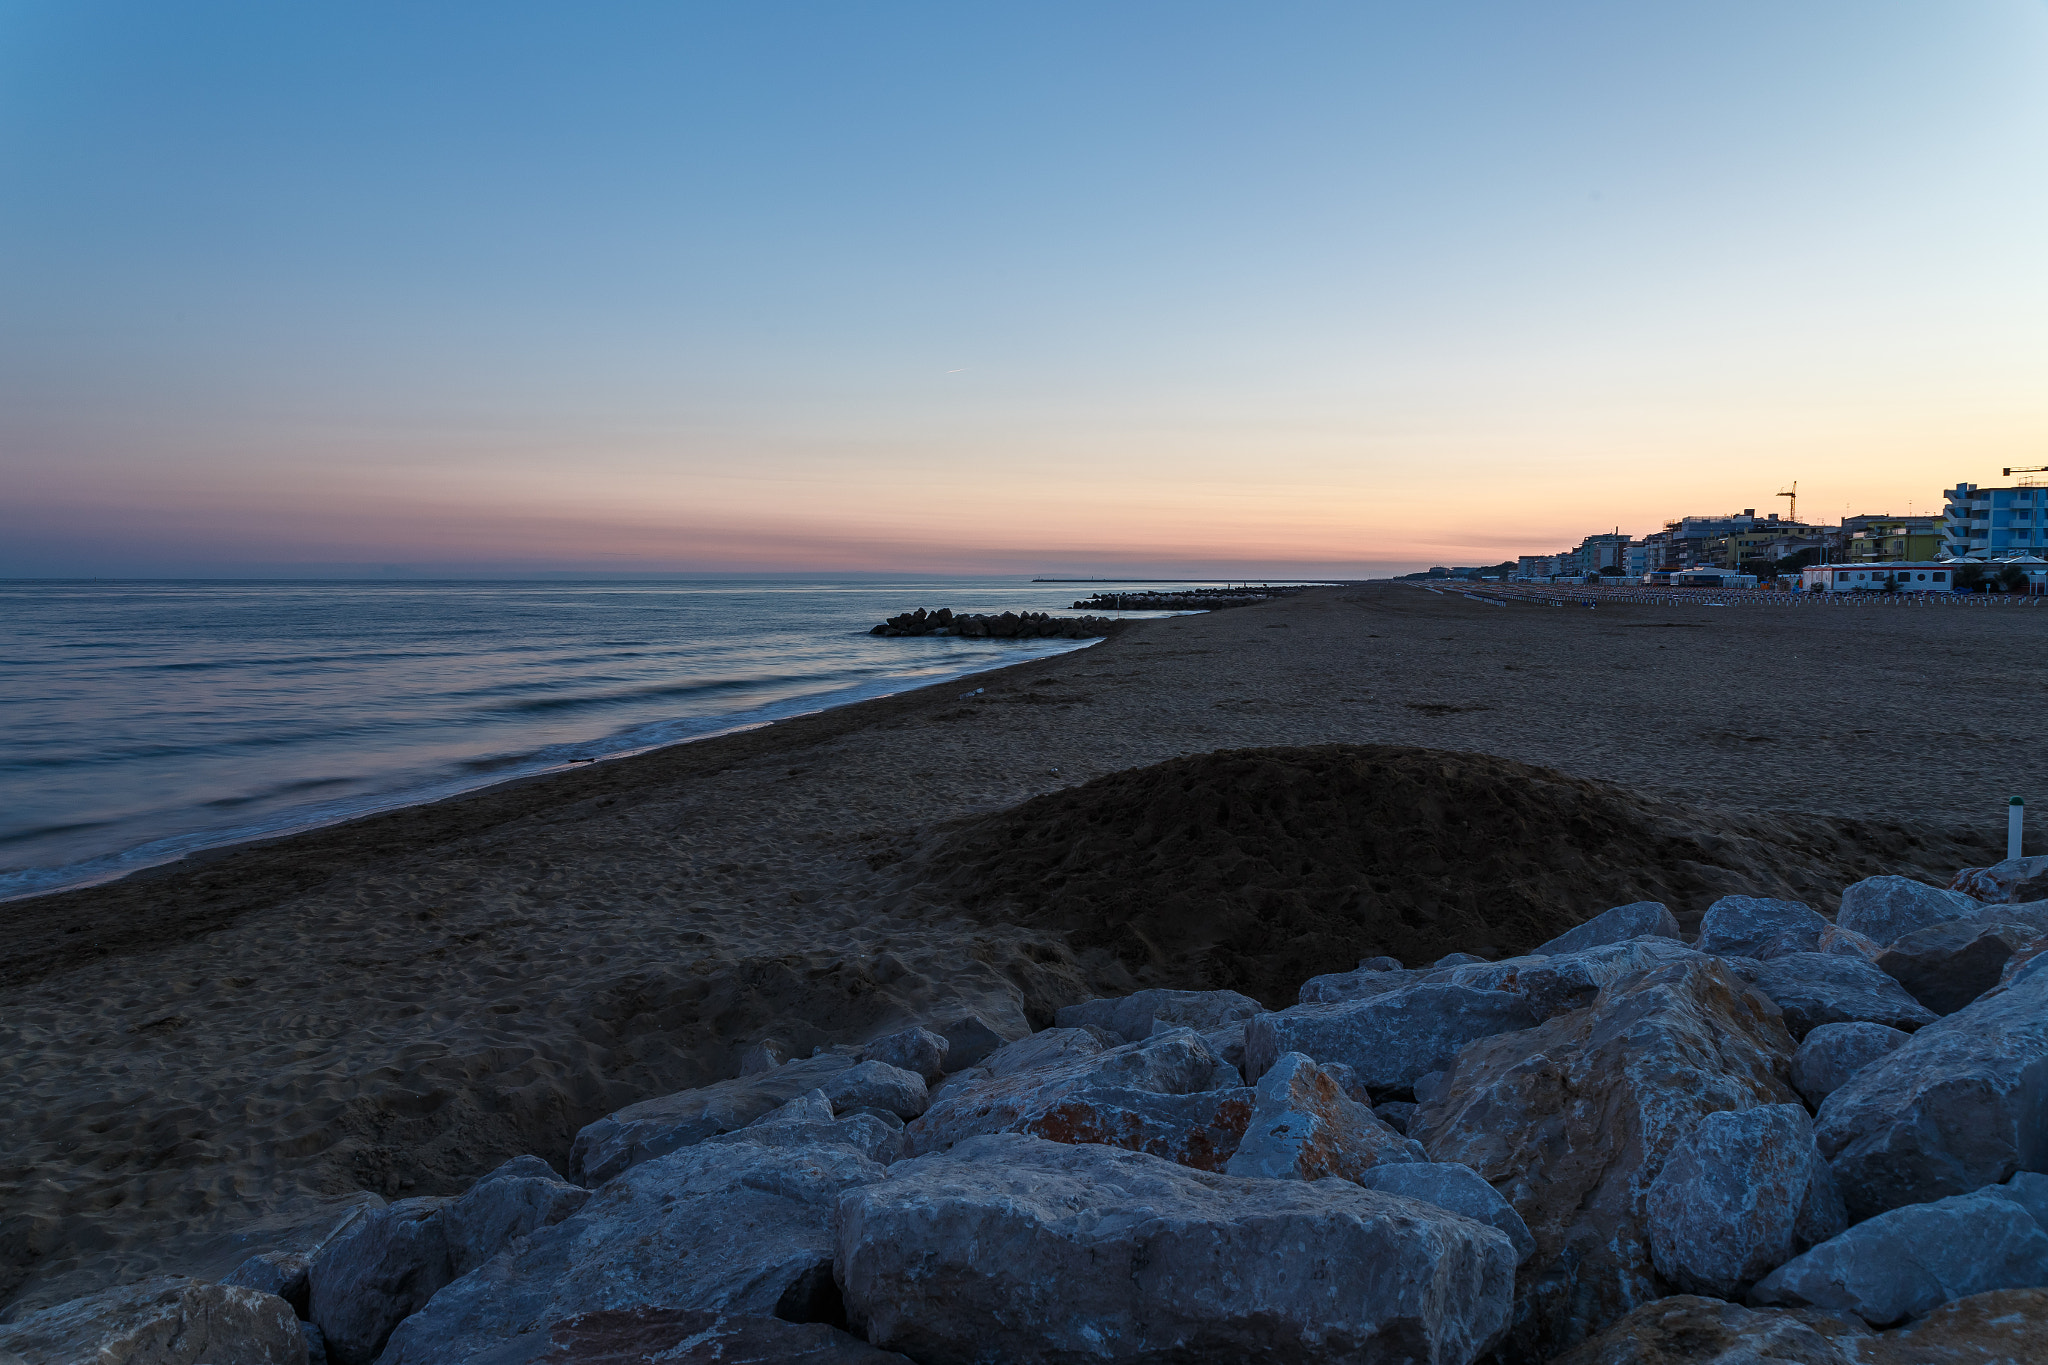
(1868, 539)
(1601, 553)
(1996, 523)
(1707, 577)
(1925, 576)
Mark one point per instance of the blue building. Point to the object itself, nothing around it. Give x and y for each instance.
(1995, 523)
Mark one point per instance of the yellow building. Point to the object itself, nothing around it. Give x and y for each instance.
(1908, 539)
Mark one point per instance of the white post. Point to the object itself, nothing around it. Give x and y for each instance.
(2015, 814)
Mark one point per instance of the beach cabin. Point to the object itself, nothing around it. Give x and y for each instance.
(1902, 577)
(1712, 578)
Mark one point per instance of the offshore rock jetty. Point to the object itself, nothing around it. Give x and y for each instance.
(1190, 599)
(1010, 625)
(1782, 1138)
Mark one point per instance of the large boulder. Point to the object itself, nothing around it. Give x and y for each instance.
(518, 1198)
(1201, 1130)
(969, 1039)
(1817, 988)
(1832, 1053)
(1388, 1040)
(1741, 1194)
(720, 1227)
(1638, 919)
(168, 1320)
(913, 1049)
(1132, 1017)
(640, 1132)
(1741, 925)
(376, 1272)
(1457, 1188)
(1946, 966)
(1886, 909)
(1363, 984)
(1961, 1105)
(1012, 1249)
(1902, 1263)
(808, 1121)
(2011, 882)
(877, 1085)
(1304, 1127)
(1572, 1120)
(1009, 1090)
(1554, 985)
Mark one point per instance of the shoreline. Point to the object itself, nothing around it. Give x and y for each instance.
(230, 839)
(213, 863)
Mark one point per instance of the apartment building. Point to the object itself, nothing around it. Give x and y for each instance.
(1996, 523)
(1871, 538)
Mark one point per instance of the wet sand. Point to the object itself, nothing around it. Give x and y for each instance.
(398, 1004)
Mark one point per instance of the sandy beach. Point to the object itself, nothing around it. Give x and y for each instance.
(218, 1056)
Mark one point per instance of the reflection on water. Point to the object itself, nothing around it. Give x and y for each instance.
(140, 721)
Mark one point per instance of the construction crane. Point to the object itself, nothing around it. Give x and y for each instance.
(1792, 511)
(2031, 469)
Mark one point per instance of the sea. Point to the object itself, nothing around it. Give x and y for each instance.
(142, 721)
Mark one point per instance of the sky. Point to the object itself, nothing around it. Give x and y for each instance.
(1117, 287)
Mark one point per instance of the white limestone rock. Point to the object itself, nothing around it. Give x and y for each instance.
(913, 1049)
(1572, 1120)
(1363, 984)
(728, 1227)
(1909, 1260)
(1815, 988)
(1388, 1040)
(518, 1198)
(877, 1085)
(1886, 909)
(1132, 1017)
(1958, 1106)
(376, 1272)
(1741, 1194)
(1028, 1252)
(1554, 985)
(1638, 919)
(1741, 925)
(168, 1320)
(640, 1132)
(1832, 1053)
(1454, 1187)
(1946, 966)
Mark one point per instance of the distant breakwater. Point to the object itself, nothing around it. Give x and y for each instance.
(1186, 599)
(1010, 625)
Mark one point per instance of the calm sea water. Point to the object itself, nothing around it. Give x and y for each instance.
(142, 721)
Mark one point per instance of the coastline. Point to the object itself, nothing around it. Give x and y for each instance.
(395, 1004)
(199, 846)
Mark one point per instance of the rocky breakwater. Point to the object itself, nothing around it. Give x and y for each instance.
(1621, 1148)
(1191, 599)
(1010, 625)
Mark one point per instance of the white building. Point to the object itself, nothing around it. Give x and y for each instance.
(1711, 578)
(1995, 523)
(1915, 577)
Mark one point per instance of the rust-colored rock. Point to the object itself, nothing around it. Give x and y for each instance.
(1202, 1131)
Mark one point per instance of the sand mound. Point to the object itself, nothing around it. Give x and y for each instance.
(1256, 868)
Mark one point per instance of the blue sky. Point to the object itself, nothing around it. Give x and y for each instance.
(1055, 287)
